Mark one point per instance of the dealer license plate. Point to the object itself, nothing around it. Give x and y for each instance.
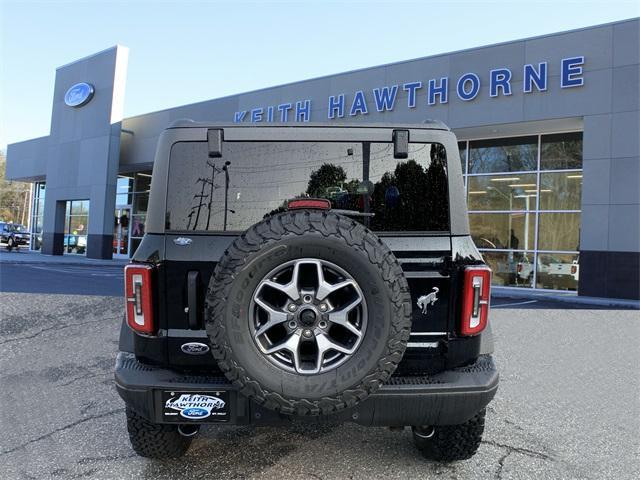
(178, 406)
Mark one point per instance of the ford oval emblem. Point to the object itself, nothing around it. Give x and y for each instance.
(195, 348)
(195, 412)
(79, 94)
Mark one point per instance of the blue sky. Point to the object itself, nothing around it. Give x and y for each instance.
(187, 51)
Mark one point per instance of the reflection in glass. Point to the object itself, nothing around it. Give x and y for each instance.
(143, 181)
(121, 226)
(558, 271)
(559, 231)
(124, 184)
(135, 243)
(79, 207)
(561, 151)
(462, 147)
(137, 225)
(76, 244)
(502, 192)
(37, 215)
(503, 230)
(511, 269)
(76, 226)
(361, 179)
(124, 199)
(560, 191)
(503, 155)
(141, 200)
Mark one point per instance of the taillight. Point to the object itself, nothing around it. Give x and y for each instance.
(574, 269)
(519, 268)
(138, 292)
(319, 203)
(475, 300)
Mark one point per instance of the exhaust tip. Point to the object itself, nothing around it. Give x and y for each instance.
(424, 432)
(188, 430)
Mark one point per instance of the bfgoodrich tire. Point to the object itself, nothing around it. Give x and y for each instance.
(275, 279)
(450, 443)
(153, 440)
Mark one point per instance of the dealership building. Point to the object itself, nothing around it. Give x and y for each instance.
(547, 129)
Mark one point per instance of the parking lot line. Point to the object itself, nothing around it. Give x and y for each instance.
(78, 270)
(513, 304)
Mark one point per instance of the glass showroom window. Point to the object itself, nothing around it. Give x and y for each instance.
(142, 184)
(37, 214)
(132, 197)
(524, 197)
(76, 225)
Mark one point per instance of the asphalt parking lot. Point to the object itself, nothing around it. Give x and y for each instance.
(62, 279)
(567, 407)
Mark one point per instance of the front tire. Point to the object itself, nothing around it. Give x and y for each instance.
(154, 440)
(10, 244)
(450, 443)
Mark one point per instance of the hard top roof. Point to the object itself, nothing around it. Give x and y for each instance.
(426, 125)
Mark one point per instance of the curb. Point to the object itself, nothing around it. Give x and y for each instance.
(502, 292)
(30, 259)
(65, 264)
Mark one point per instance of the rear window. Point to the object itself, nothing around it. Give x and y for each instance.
(255, 179)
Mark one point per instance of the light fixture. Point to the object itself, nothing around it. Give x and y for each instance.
(506, 179)
(574, 176)
(517, 185)
(478, 192)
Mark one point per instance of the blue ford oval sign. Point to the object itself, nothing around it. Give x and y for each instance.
(79, 94)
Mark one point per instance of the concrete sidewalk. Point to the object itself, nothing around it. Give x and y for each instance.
(26, 256)
(568, 297)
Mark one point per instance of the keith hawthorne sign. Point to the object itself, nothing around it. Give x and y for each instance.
(432, 92)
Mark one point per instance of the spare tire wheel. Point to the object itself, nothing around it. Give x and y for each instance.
(308, 313)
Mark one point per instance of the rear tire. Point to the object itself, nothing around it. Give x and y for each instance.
(315, 238)
(154, 440)
(450, 443)
(10, 244)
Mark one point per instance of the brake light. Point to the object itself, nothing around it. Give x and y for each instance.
(139, 297)
(319, 203)
(475, 300)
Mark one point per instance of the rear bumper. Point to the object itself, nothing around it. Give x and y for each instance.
(447, 398)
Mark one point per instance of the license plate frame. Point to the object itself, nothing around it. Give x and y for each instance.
(201, 406)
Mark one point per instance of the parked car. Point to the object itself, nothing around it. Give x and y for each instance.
(13, 235)
(283, 312)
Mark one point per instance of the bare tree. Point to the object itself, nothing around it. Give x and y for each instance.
(14, 197)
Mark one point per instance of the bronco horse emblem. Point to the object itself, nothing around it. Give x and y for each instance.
(426, 300)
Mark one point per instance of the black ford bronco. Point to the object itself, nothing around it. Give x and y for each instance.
(307, 273)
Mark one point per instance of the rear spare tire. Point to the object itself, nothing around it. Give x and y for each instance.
(308, 313)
